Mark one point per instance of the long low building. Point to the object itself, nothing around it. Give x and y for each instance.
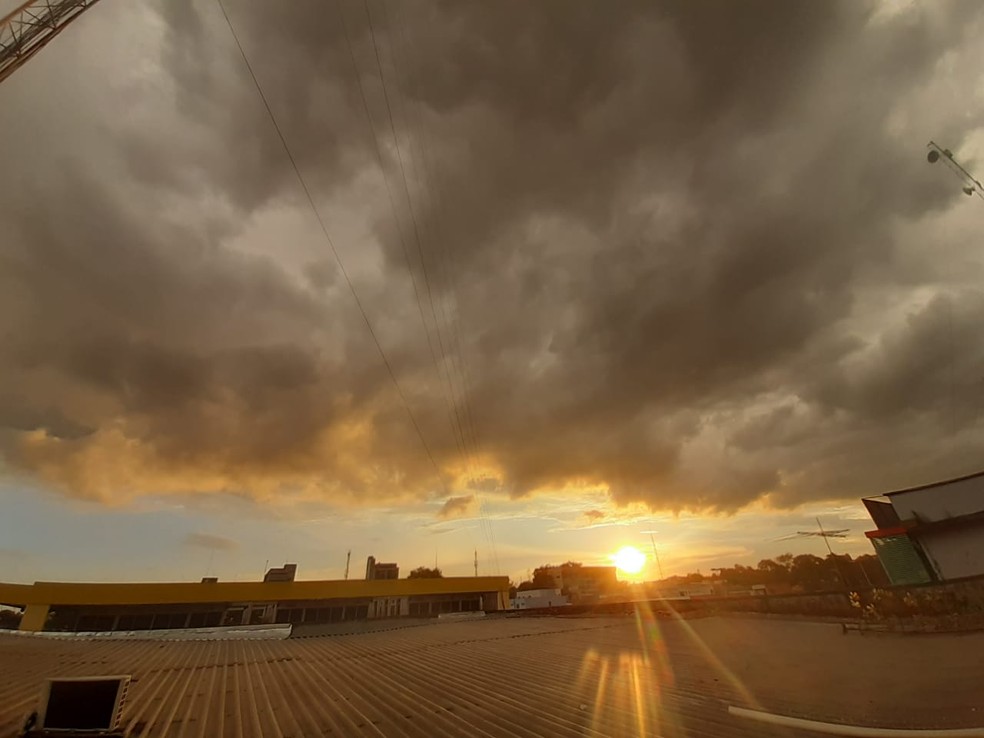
(83, 607)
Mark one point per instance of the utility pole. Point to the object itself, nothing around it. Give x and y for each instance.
(823, 535)
(659, 566)
(837, 566)
(864, 571)
(348, 560)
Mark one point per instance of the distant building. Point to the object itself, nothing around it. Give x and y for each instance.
(285, 573)
(584, 583)
(528, 599)
(934, 532)
(689, 590)
(378, 570)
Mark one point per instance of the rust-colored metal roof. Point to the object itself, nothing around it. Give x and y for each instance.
(533, 677)
(502, 677)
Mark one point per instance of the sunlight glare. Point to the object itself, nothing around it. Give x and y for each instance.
(629, 559)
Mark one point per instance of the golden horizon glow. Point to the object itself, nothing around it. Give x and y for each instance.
(629, 560)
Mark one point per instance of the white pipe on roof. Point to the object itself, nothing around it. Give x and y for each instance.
(854, 730)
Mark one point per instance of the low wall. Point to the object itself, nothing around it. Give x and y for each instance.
(228, 633)
(956, 605)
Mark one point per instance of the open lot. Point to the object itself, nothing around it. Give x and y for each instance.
(519, 677)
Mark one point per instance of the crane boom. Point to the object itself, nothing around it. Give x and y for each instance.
(26, 30)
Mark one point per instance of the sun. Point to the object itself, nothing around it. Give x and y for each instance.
(629, 559)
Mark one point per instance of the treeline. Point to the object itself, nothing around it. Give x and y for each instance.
(805, 573)
(802, 573)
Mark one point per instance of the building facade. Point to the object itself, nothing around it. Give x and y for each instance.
(934, 532)
(379, 570)
(584, 584)
(529, 599)
(145, 606)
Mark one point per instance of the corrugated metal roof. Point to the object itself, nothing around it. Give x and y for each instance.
(499, 677)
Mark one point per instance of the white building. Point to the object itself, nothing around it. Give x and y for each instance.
(529, 599)
(930, 533)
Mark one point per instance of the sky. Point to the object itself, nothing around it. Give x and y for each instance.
(529, 280)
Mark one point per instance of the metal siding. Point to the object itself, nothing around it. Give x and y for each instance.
(882, 512)
(955, 553)
(941, 501)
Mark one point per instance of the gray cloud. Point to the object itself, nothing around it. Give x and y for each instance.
(678, 250)
(210, 541)
(457, 507)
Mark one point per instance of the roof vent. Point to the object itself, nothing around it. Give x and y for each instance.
(91, 704)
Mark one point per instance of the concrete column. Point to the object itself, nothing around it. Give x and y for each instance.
(34, 618)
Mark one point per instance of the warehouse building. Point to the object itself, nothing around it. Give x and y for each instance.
(63, 606)
(934, 532)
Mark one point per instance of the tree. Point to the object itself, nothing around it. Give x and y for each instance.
(870, 570)
(739, 575)
(805, 572)
(543, 579)
(814, 574)
(422, 572)
(772, 572)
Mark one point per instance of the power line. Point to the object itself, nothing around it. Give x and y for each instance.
(423, 183)
(466, 432)
(331, 244)
(449, 269)
(455, 432)
(413, 216)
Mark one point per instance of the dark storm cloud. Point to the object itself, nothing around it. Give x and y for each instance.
(655, 223)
